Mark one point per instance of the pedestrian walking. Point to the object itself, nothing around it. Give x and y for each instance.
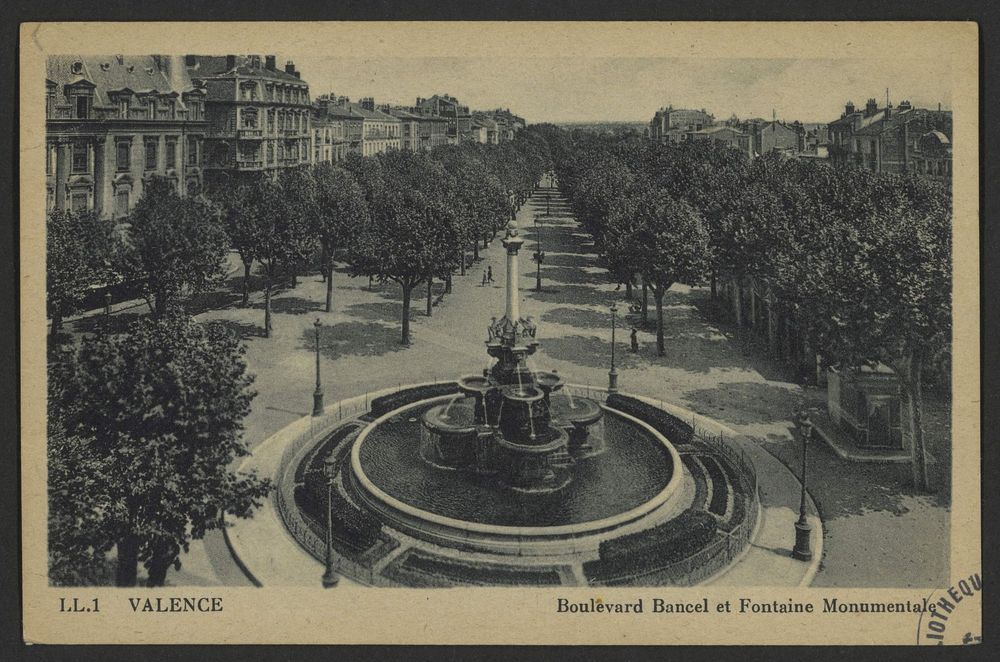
(484, 278)
(489, 273)
(634, 339)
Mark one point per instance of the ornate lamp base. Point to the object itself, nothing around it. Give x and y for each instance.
(802, 550)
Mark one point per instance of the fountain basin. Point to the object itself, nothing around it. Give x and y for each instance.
(639, 473)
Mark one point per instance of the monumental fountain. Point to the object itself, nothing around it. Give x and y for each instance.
(504, 475)
(513, 428)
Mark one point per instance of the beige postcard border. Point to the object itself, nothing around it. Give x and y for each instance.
(487, 616)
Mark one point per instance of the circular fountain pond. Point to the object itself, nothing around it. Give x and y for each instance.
(635, 472)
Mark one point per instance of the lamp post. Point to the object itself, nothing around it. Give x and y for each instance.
(613, 374)
(802, 550)
(539, 256)
(318, 393)
(330, 578)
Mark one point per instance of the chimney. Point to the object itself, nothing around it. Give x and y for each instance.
(255, 61)
(176, 72)
(270, 62)
(871, 108)
(190, 60)
(289, 67)
(368, 103)
(230, 62)
(849, 108)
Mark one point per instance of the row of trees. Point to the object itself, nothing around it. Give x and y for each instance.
(859, 262)
(404, 217)
(145, 424)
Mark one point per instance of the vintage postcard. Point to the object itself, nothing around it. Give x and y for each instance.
(500, 332)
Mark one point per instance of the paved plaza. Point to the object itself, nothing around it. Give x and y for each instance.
(876, 531)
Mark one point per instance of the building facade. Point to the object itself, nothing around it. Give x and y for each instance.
(113, 122)
(446, 106)
(739, 140)
(259, 116)
(901, 140)
(671, 124)
(433, 131)
(409, 124)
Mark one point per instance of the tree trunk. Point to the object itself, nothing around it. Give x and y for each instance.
(324, 259)
(447, 284)
(645, 302)
(714, 285)
(159, 565)
(658, 297)
(267, 307)
(329, 285)
(475, 251)
(461, 261)
(913, 392)
(486, 242)
(738, 303)
(772, 330)
(126, 572)
(295, 278)
(406, 314)
(628, 290)
(246, 284)
(430, 293)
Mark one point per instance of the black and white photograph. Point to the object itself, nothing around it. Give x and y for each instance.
(645, 333)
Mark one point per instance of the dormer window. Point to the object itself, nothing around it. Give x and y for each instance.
(77, 68)
(82, 106)
(123, 107)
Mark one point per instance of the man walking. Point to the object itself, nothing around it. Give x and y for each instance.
(489, 273)
(484, 278)
(633, 338)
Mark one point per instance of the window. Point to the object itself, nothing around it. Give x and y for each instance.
(78, 202)
(249, 118)
(123, 154)
(270, 153)
(82, 107)
(121, 203)
(50, 102)
(49, 161)
(123, 108)
(151, 154)
(81, 160)
(171, 153)
(192, 151)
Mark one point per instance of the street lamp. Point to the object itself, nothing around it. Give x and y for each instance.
(330, 578)
(318, 393)
(802, 550)
(613, 374)
(539, 256)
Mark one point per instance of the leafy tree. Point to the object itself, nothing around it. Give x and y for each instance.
(241, 227)
(297, 221)
(153, 423)
(78, 251)
(339, 212)
(174, 246)
(667, 243)
(404, 242)
(281, 240)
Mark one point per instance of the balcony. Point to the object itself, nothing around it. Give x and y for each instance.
(249, 165)
(250, 134)
(292, 132)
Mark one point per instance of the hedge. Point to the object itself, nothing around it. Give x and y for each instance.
(654, 548)
(386, 403)
(456, 571)
(720, 486)
(671, 427)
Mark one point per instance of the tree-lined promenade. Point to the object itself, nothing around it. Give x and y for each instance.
(154, 413)
(860, 263)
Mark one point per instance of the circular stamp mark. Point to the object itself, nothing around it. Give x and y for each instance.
(953, 615)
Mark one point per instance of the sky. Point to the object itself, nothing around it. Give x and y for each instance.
(573, 89)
